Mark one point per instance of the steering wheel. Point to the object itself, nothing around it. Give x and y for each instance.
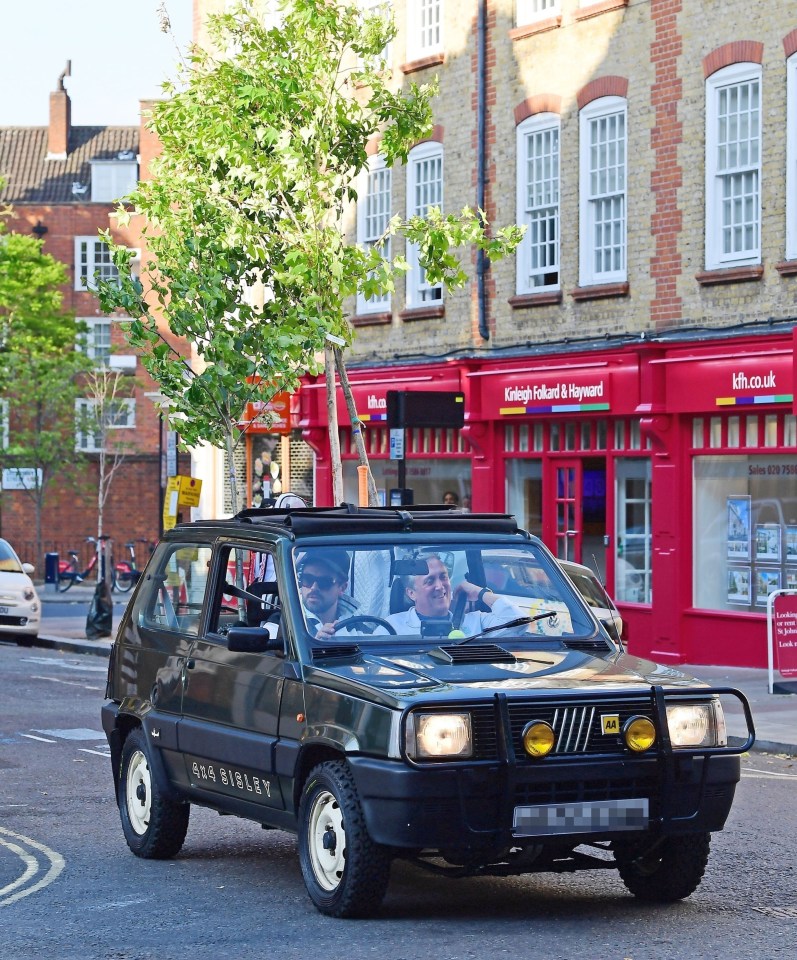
(366, 618)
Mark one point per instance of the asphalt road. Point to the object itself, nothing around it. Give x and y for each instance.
(69, 887)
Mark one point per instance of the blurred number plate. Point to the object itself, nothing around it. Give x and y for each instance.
(4, 611)
(597, 817)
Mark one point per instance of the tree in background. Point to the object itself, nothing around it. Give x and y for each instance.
(263, 139)
(39, 367)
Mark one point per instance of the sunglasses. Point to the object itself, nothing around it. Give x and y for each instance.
(310, 579)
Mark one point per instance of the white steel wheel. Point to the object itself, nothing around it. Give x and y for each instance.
(138, 793)
(154, 819)
(327, 840)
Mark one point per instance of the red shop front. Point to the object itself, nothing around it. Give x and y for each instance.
(437, 459)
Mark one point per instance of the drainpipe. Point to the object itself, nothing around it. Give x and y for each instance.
(481, 161)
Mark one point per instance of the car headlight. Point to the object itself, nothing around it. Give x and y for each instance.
(28, 594)
(697, 725)
(436, 735)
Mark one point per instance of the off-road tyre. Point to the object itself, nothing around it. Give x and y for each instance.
(351, 879)
(671, 872)
(25, 640)
(154, 825)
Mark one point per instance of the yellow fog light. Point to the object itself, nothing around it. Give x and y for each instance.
(639, 734)
(538, 738)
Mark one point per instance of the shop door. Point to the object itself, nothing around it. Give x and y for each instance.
(567, 504)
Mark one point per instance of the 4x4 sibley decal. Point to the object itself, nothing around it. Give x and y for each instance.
(236, 782)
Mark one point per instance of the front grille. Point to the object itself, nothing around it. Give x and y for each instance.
(578, 728)
(13, 621)
(585, 791)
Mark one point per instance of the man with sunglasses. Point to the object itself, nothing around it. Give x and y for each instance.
(323, 580)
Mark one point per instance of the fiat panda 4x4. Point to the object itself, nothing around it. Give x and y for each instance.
(420, 684)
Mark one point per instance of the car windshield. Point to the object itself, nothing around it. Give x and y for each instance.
(9, 562)
(433, 591)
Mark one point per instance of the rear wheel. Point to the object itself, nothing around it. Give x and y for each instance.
(123, 581)
(664, 873)
(154, 826)
(66, 579)
(345, 872)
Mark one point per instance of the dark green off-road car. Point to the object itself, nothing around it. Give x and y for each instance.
(419, 683)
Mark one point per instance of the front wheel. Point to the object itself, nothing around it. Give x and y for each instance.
(668, 871)
(154, 826)
(345, 872)
(65, 581)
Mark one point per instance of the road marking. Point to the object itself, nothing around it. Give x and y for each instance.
(11, 892)
(30, 736)
(96, 753)
(69, 683)
(67, 664)
(75, 733)
(766, 774)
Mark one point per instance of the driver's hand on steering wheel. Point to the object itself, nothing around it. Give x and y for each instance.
(326, 630)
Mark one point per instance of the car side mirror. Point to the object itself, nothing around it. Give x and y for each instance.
(29, 569)
(252, 640)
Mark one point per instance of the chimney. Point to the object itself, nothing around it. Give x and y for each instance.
(60, 119)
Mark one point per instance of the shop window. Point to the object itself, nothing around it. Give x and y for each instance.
(538, 203)
(771, 430)
(600, 435)
(586, 435)
(373, 216)
(555, 437)
(428, 478)
(523, 438)
(697, 433)
(715, 432)
(745, 530)
(790, 430)
(733, 431)
(733, 166)
(619, 435)
(524, 493)
(603, 192)
(752, 432)
(632, 554)
(570, 435)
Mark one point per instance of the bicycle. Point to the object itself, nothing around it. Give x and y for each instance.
(125, 572)
(69, 571)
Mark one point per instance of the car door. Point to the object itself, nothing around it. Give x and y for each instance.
(231, 700)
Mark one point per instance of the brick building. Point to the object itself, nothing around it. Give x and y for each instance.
(62, 181)
(629, 375)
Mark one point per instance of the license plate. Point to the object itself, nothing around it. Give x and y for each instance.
(4, 611)
(597, 817)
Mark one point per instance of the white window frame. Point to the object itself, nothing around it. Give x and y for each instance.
(419, 292)
(593, 200)
(369, 7)
(791, 158)
(529, 212)
(87, 343)
(717, 179)
(89, 441)
(528, 11)
(371, 223)
(424, 28)
(89, 259)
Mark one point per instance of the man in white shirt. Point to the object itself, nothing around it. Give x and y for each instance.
(431, 594)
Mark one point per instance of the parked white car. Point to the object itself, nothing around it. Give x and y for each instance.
(20, 608)
(595, 595)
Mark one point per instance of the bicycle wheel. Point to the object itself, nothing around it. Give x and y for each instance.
(66, 579)
(122, 580)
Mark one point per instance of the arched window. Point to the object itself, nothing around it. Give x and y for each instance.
(603, 191)
(538, 202)
(373, 216)
(733, 166)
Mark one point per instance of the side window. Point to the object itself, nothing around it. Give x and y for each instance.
(177, 589)
(247, 594)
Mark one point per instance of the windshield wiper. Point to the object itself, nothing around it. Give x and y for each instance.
(519, 622)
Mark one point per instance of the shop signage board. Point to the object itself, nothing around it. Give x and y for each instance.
(782, 637)
(729, 383)
(560, 389)
(21, 478)
(279, 421)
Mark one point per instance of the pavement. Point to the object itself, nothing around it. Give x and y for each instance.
(774, 714)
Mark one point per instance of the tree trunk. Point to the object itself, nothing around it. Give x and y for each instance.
(356, 426)
(334, 435)
(230, 451)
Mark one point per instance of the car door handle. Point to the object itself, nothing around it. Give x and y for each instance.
(190, 663)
